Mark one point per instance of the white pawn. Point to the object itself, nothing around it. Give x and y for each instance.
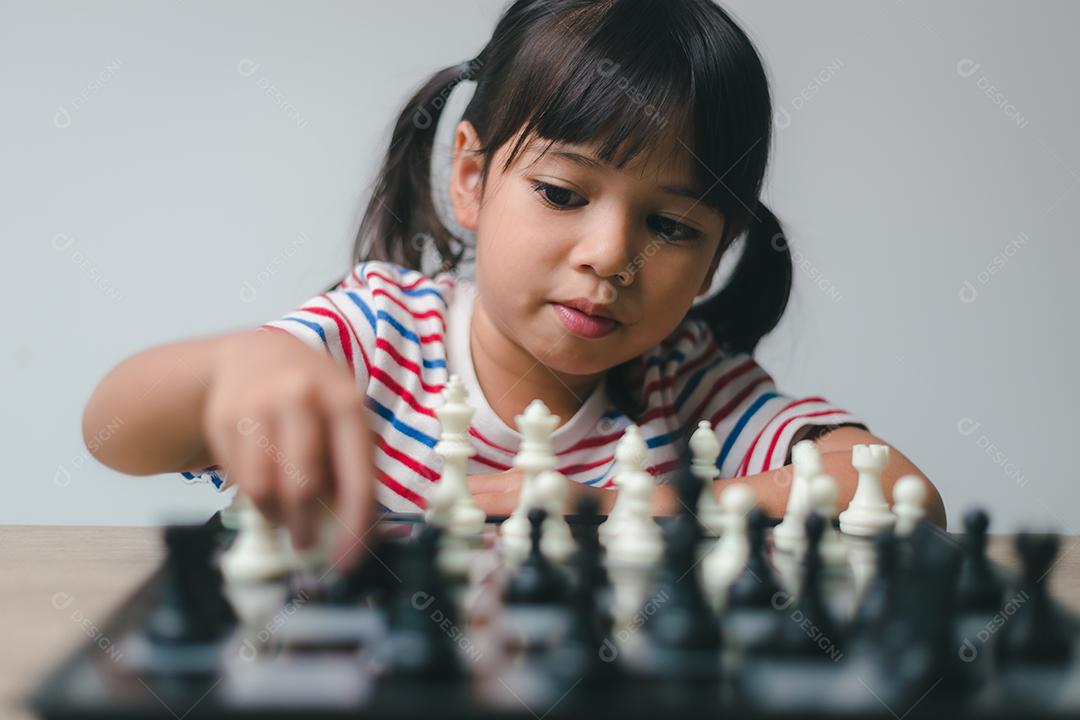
(454, 557)
(790, 535)
(465, 518)
(637, 540)
(823, 494)
(535, 456)
(704, 450)
(868, 512)
(729, 554)
(630, 455)
(257, 554)
(556, 542)
(909, 494)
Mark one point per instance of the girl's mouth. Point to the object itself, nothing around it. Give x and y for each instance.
(582, 324)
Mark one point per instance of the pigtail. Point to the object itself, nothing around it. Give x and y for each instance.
(753, 300)
(401, 218)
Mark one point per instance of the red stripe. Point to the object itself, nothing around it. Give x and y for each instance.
(491, 463)
(776, 437)
(387, 380)
(363, 353)
(744, 466)
(346, 344)
(395, 283)
(383, 344)
(476, 434)
(403, 458)
(664, 467)
(400, 489)
(589, 442)
(582, 467)
(728, 408)
(418, 315)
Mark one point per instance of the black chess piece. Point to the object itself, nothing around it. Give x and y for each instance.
(1036, 632)
(369, 578)
(587, 652)
(807, 627)
(191, 606)
(537, 581)
(683, 619)
(978, 588)
(756, 585)
(420, 646)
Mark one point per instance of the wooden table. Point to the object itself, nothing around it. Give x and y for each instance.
(59, 583)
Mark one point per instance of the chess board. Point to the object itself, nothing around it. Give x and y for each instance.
(392, 640)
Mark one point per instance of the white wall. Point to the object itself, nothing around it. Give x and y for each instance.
(172, 169)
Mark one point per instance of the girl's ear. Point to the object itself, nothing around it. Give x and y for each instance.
(465, 173)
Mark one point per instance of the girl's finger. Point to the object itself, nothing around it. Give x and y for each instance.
(301, 461)
(352, 467)
(252, 468)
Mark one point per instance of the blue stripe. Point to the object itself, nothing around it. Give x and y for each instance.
(363, 308)
(188, 475)
(662, 360)
(388, 415)
(216, 480)
(734, 434)
(314, 326)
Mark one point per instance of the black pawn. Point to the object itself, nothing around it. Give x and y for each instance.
(978, 588)
(807, 627)
(192, 607)
(537, 582)
(420, 646)
(1036, 632)
(755, 586)
(587, 652)
(683, 619)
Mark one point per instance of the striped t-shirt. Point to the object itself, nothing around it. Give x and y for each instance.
(403, 333)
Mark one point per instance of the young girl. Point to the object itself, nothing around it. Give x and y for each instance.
(612, 154)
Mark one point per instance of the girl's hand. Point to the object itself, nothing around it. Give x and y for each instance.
(496, 493)
(287, 422)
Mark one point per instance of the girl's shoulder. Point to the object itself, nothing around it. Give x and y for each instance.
(378, 278)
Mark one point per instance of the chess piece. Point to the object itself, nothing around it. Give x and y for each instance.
(756, 585)
(877, 600)
(257, 554)
(454, 554)
(191, 606)
(810, 608)
(683, 620)
(823, 501)
(466, 519)
(1036, 633)
(704, 449)
(418, 646)
(637, 540)
(537, 581)
(630, 455)
(729, 555)
(536, 425)
(868, 512)
(558, 542)
(789, 535)
(910, 496)
(978, 588)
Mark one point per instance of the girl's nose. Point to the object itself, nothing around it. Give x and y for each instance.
(605, 246)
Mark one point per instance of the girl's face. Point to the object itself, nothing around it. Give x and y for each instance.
(564, 229)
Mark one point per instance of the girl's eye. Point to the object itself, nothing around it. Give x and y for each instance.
(668, 229)
(671, 230)
(554, 195)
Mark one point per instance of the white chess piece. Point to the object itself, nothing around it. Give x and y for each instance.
(315, 560)
(909, 494)
(790, 534)
(637, 539)
(257, 554)
(465, 519)
(535, 456)
(630, 455)
(454, 556)
(729, 554)
(868, 512)
(823, 494)
(704, 450)
(556, 541)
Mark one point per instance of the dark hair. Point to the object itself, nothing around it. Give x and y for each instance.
(584, 71)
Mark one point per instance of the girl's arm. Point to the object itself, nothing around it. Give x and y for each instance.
(497, 493)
